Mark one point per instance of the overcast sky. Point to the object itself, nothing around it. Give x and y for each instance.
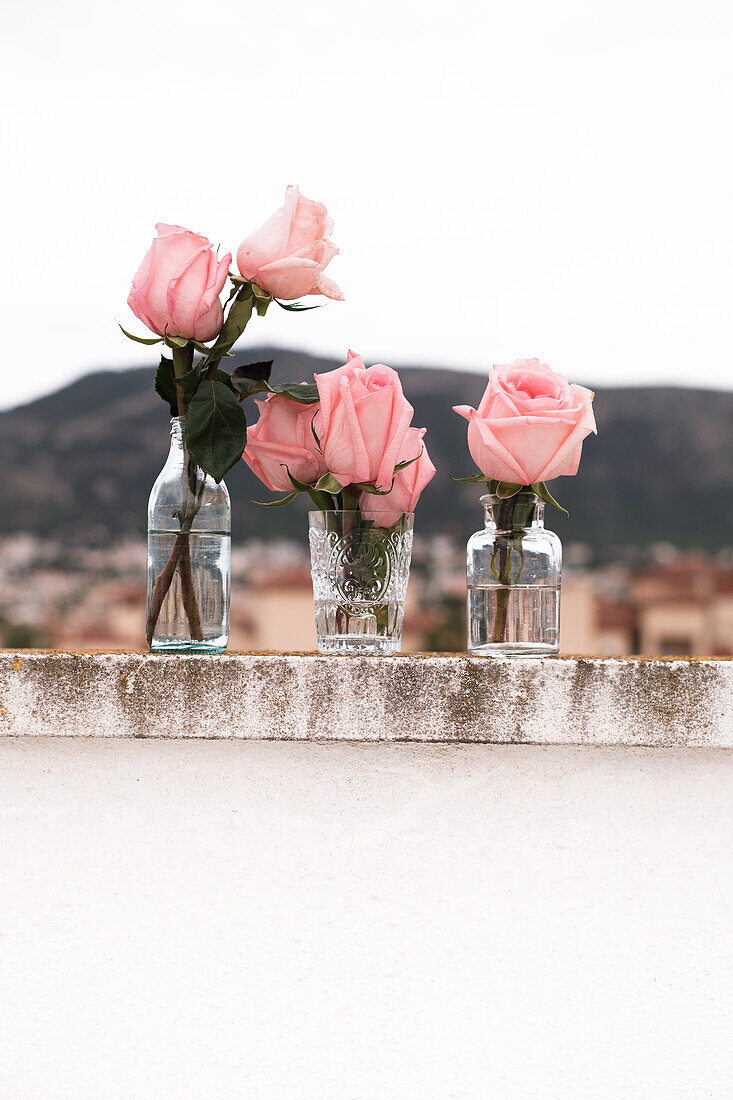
(507, 179)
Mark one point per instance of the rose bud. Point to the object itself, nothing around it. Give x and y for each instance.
(530, 425)
(177, 286)
(283, 437)
(288, 254)
(363, 422)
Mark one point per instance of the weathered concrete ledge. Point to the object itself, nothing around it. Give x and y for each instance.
(431, 698)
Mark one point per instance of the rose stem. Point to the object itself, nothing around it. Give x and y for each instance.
(505, 570)
(190, 601)
(515, 514)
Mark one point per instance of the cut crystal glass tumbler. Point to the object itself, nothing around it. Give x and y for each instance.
(360, 568)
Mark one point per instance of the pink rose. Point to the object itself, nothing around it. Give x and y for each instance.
(283, 437)
(287, 255)
(177, 286)
(363, 422)
(408, 484)
(530, 425)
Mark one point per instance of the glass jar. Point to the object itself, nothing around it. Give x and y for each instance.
(189, 556)
(360, 568)
(513, 576)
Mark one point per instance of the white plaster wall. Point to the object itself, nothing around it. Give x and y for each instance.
(198, 919)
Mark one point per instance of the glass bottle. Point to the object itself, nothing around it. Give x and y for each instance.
(189, 556)
(513, 576)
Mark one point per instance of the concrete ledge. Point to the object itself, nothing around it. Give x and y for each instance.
(431, 698)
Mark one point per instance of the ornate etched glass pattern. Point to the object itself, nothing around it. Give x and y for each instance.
(360, 572)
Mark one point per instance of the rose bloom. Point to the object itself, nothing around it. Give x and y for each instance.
(530, 425)
(283, 437)
(177, 286)
(363, 422)
(408, 484)
(288, 254)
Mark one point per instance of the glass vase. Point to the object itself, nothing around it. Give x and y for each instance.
(360, 568)
(189, 556)
(513, 576)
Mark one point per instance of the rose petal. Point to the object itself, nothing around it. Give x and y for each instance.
(289, 278)
(490, 454)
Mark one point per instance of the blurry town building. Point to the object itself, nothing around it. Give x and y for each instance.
(681, 608)
(685, 606)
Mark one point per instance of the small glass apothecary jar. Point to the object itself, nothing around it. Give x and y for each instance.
(513, 571)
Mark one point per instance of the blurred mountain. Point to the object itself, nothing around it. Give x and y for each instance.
(78, 464)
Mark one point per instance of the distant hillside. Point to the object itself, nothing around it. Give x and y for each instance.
(79, 464)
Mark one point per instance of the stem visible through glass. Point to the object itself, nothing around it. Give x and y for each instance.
(513, 515)
(180, 558)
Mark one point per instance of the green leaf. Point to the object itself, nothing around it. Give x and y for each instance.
(328, 484)
(225, 379)
(235, 324)
(544, 494)
(473, 480)
(238, 316)
(373, 491)
(507, 489)
(216, 428)
(315, 433)
(260, 372)
(299, 485)
(323, 501)
(263, 299)
(188, 383)
(175, 341)
(320, 498)
(304, 392)
(277, 503)
(409, 462)
(247, 387)
(165, 384)
(140, 339)
(253, 378)
(297, 307)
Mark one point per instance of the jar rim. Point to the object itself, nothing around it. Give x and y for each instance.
(486, 498)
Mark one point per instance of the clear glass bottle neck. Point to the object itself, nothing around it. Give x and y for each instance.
(180, 463)
(178, 424)
(177, 454)
(521, 512)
